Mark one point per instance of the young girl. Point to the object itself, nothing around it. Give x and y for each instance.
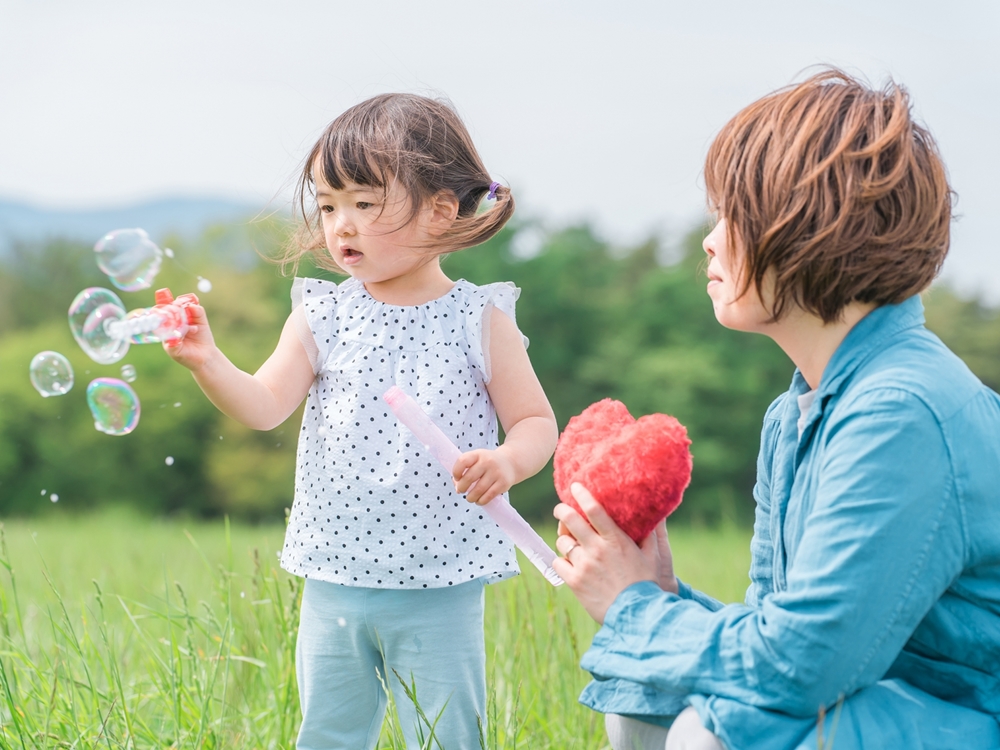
(395, 558)
(875, 573)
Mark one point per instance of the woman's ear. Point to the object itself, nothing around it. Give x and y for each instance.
(442, 210)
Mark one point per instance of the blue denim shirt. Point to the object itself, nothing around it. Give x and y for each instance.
(875, 557)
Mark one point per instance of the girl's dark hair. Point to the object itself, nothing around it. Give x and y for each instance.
(833, 185)
(418, 142)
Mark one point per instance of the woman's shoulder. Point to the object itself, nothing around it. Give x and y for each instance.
(918, 368)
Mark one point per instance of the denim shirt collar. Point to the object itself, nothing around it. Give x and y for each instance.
(868, 336)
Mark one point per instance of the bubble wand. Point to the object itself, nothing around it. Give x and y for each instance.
(499, 509)
(105, 330)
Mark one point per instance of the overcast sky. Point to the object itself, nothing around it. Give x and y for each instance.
(598, 111)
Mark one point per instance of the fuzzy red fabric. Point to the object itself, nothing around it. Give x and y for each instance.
(636, 469)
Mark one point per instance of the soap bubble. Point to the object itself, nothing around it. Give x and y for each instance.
(89, 315)
(51, 374)
(43, 493)
(129, 258)
(128, 373)
(169, 461)
(54, 497)
(204, 285)
(114, 405)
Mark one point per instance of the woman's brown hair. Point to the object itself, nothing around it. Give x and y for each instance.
(418, 142)
(834, 187)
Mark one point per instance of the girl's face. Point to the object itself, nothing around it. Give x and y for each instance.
(725, 267)
(371, 235)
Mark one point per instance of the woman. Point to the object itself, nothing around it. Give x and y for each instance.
(875, 574)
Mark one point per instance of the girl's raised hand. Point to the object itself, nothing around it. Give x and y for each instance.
(482, 475)
(600, 560)
(198, 344)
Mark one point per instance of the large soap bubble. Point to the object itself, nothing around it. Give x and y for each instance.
(90, 315)
(51, 374)
(129, 258)
(114, 405)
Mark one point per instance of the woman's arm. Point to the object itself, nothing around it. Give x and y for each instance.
(261, 401)
(527, 418)
(881, 544)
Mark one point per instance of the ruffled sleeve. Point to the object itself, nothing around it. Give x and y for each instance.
(482, 302)
(314, 304)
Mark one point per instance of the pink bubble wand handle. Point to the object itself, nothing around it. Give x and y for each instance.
(499, 509)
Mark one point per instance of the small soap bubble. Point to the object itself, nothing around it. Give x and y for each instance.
(51, 374)
(243, 595)
(204, 285)
(342, 622)
(177, 404)
(128, 373)
(114, 405)
(129, 258)
(43, 493)
(168, 252)
(169, 460)
(89, 315)
(54, 497)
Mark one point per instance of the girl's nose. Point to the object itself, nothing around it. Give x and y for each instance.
(342, 226)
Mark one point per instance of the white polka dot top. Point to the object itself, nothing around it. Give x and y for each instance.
(372, 508)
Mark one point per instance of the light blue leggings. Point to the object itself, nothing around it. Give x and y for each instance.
(348, 636)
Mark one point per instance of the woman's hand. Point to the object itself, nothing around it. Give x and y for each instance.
(482, 475)
(600, 561)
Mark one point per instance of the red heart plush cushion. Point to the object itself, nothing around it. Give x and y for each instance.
(636, 469)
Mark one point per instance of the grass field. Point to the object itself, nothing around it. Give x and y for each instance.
(121, 632)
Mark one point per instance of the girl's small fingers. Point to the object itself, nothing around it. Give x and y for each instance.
(462, 465)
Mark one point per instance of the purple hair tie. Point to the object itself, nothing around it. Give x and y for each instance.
(492, 195)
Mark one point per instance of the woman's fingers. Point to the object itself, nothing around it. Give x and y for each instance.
(598, 517)
(574, 524)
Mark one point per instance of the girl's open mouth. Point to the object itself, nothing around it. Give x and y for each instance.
(350, 255)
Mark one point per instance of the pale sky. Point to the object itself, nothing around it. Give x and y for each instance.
(597, 111)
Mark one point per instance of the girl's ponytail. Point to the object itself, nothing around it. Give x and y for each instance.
(476, 229)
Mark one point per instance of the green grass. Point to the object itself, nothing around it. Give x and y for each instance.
(120, 632)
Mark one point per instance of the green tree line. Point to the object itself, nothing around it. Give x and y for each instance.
(602, 323)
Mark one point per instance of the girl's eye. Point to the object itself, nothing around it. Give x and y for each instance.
(364, 204)
(326, 209)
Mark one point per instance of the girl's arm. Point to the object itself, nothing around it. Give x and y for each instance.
(524, 412)
(261, 401)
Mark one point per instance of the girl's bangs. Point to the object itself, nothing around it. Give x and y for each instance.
(346, 160)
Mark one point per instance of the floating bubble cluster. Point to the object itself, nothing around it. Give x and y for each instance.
(128, 373)
(129, 258)
(51, 374)
(92, 311)
(114, 405)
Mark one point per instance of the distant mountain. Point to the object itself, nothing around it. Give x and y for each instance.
(184, 216)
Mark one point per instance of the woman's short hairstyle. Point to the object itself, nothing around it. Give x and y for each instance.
(833, 186)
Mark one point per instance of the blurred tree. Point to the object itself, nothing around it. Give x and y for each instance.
(602, 323)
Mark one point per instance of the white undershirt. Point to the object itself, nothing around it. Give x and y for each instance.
(805, 403)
